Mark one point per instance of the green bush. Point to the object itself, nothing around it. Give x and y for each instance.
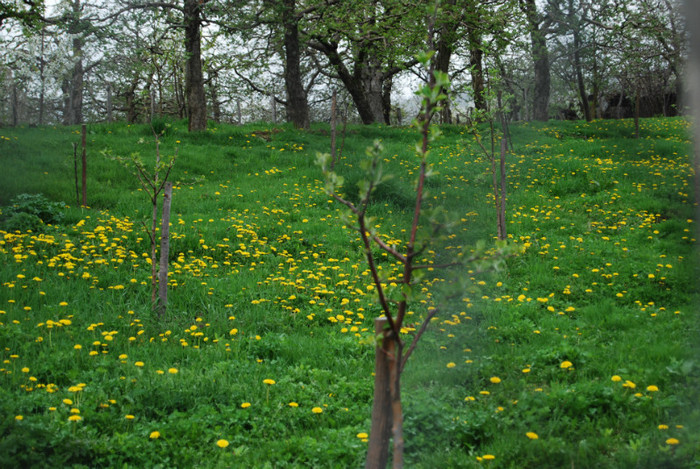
(31, 212)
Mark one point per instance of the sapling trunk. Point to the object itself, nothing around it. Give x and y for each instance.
(380, 433)
(164, 249)
(83, 132)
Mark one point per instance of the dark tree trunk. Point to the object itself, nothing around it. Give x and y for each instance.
(131, 112)
(73, 87)
(585, 105)
(194, 80)
(583, 96)
(540, 56)
(215, 104)
(372, 83)
(364, 84)
(386, 99)
(297, 105)
(476, 55)
(42, 80)
(15, 105)
(108, 105)
(443, 55)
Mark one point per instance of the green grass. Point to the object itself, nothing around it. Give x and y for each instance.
(267, 283)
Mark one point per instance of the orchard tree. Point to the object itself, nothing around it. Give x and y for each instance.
(192, 17)
(28, 13)
(366, 44)
(538, 25)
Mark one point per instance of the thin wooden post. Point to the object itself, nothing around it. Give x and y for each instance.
(109, 103)
(164, 250)
(83, 134)
(502, 230)
(380, 433)
(334, 119)
(75, 168)
(273, 104)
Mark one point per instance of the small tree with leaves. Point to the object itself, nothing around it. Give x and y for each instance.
(428, 226)
(153, 181)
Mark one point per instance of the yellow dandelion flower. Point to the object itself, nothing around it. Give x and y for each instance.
(672, 441)
(172, 371)
(362, 435)
(139, 364)
(19, 417)
(293, 404)
(245, 405)
(652, 388)
(154, 435)
(75, 418)
(451, 365)
(616, 379)
(489, 457)
(663, 427)
(566, 364)
(532, 435)
(269, 381)
(222, 443)
(317, 410)
(495, 379)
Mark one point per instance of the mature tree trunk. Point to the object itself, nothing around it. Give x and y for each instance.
(372, 82)
(365, 83)
(215, 104)
(443, 56)
(73, 86)
(540, 56)
(583, 96)
(42, 79)
(575, 25)
(386, 99)
(15, 104)
(194, 79)
(297, 105)
(443, 52)
(476, 55)
(130, 94)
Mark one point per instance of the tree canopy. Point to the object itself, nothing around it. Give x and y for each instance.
(93, 60)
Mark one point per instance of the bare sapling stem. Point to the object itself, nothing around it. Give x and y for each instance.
(164, 250)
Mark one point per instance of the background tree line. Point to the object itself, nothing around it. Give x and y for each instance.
(74, 61)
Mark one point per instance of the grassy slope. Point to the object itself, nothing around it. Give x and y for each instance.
(260, 262)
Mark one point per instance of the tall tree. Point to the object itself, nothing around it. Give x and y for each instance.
(193, 16)
(366, 44)
(537, 26)
(72, 85)
(296, 104)
(27, 12)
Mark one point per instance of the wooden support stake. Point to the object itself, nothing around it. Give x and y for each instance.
(164, 250)
(380, 433)
(83, 133)
(75, 168)
(334, 119)
(502, 230)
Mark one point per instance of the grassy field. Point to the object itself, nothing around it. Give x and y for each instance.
(581, 352)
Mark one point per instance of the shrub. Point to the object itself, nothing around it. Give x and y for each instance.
(31, 212)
